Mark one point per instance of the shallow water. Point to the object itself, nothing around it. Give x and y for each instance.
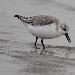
(17, 44)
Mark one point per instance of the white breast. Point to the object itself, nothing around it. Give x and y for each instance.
(45, 32)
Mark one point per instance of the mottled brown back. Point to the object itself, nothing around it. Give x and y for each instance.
(40, 20)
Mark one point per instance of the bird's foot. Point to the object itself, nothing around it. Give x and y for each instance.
(36, 47)
(36, 50)
(43, 52)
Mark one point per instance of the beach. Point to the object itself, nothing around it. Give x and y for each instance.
(17, 55)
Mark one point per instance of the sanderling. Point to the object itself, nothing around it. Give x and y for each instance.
(45, 27)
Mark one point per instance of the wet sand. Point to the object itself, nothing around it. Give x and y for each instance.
(17, 56)
(15, 59)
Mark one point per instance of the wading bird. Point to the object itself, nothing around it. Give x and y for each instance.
(45, 27)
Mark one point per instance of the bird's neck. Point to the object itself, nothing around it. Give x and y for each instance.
(23, 19)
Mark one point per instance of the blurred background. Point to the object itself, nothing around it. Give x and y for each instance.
(14, 30)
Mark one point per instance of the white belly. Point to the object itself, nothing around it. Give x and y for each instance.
(45, 32)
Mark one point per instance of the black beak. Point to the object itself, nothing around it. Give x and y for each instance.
(17, 16)
(68, 38)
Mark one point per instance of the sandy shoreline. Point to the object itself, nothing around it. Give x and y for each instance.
(19, 62)
(17, 44)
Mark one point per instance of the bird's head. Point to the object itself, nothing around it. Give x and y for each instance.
(18, 16)
(65, 28)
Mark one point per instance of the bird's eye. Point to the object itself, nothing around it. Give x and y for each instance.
(63, 27)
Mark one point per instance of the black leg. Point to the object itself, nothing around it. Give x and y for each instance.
(42, 44)
(36, 42)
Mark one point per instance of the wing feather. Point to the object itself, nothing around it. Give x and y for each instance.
(42, 20)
